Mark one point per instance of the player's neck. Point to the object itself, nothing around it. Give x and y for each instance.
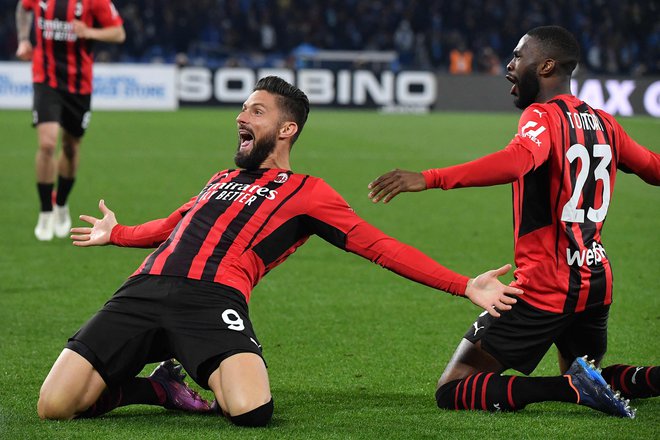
(549, 92)
(279, 159)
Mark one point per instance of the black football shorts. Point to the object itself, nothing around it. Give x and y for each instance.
(520, 337)
(154, 318)
(72, 111)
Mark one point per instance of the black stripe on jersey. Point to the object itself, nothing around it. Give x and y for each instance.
(536, 212)
(574, 278)
(286, 199)
(149, 263)
(563, 150)
(232, 231)
(271, 248)
(196, 236)
(79, 47)
(44, 54)
(60, 49)
(328, 232)
(598, 282)
(588, 227)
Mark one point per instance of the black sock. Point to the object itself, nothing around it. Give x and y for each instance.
(64, 186)
(139, 390)
(45, 191)
(633, 382)
(492, 392)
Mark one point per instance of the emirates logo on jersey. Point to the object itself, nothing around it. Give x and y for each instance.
(281, 178)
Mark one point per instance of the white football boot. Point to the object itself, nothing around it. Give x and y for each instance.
(45, 226)
(62, 220)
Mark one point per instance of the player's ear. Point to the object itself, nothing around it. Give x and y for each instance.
(547, 67)
(288, 129)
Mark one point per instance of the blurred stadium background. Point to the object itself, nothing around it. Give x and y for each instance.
(617, 37)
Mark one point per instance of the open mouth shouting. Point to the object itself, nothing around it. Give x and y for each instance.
(514, 88)
(245, 139)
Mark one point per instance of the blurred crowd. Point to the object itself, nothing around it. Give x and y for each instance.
(461, 37)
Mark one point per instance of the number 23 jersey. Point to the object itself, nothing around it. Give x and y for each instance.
(560, 206)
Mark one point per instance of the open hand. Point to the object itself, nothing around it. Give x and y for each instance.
(387, 186)
(487, 292)
(99, 233)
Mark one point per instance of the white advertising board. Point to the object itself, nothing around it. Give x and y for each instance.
(116, 86)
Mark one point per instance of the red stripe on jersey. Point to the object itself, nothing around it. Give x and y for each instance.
(217, 232)
(161, 259)
(71, 58)
(38, 52)
(259, 227)
(50, 75)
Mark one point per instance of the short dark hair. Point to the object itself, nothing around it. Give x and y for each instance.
(559, 44)
(293, 101)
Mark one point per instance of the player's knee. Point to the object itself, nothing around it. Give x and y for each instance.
(55, 406)
(444, 395)
(257, 417)
(47, 147)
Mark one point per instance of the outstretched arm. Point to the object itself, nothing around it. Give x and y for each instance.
(107, 230)
(504, 166)
(99, 233)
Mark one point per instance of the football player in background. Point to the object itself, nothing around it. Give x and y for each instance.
(62, 88)
(562, 164)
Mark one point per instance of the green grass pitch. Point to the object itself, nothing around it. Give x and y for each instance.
(353, 350)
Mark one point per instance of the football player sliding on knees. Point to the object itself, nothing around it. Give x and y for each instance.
(189, 298)
(562, 163)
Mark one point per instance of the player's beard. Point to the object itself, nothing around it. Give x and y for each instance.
(261, 149)
(528, 88)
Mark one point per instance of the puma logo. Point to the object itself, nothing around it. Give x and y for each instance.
(633, 379)
(476, 328)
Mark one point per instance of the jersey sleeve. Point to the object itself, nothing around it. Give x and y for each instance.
(106, 14)
(150, 234)
(504, 166)
(534, 132)
(334, 221)
(634, 158)
(529, 149)
(28, 4)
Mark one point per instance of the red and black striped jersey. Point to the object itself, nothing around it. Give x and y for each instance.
(562, 163)
(245, 223)
(60, 59)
